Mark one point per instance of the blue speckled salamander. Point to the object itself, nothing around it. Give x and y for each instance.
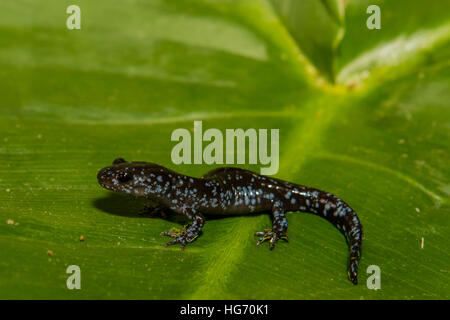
(231, 191)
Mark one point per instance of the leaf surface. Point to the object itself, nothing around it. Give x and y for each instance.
(72, 101)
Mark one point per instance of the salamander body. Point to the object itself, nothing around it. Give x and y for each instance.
(229, 191)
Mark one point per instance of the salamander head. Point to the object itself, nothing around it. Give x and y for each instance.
(136, 178)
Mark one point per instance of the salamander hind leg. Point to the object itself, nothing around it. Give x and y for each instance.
(279, 228)
(188, 233)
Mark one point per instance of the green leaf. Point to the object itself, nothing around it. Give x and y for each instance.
(73, 100)
(317, 26)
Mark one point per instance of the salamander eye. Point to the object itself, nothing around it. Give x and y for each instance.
(124, 176)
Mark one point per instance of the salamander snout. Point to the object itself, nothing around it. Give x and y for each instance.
(104, 177)
(122, 178)
(111, 177)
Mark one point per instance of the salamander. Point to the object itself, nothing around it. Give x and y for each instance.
(231, 191)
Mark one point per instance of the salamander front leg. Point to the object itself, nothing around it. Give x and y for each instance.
(188, 233)
(278, 231)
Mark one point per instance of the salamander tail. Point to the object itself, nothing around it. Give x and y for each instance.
(353, 269)
(354, 240)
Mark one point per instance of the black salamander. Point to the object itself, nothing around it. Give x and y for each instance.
(228, 191)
